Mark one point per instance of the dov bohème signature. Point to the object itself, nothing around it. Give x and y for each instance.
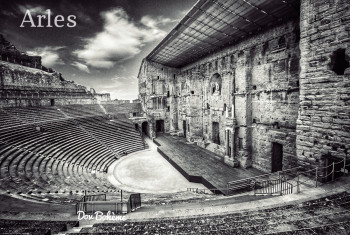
(99, 215)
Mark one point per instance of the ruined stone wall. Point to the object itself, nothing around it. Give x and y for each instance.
(32, 102)
(251, 87)
(24, 86)
(9, 53)
(127, 109)
(102, 97)
(21, 76)
(156, 87)
(260, 76)
(323, 128)
(189, 90)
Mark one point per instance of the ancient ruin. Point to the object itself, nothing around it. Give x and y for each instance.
(269, 91)
(24, 81)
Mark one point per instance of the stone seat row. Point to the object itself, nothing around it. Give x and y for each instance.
(34, 114)
(60, 132)
(7, 121)
(25, 178)
(63, 157)
(120, 138)
(80, 110)
(34, 226)
(23, 115)
(54, 162)
(57, 138)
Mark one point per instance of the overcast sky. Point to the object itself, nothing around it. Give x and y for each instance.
(105, 48)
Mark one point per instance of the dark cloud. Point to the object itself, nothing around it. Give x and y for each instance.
(107, 45)
(120, 39)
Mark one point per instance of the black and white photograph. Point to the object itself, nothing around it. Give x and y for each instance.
(174, 117)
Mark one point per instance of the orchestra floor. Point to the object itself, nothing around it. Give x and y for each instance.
(148, 172)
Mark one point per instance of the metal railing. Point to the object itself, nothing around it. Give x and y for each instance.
(273, 187)
(315, 176)
(94, 203)
(82, 206)
(91, 207)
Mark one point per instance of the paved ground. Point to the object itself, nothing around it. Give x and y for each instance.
(148, 172)
(239, 203)
(196, 161)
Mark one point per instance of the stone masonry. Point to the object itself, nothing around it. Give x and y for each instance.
(323, 126)
(23, 84)
(281, 92)
(242, 98)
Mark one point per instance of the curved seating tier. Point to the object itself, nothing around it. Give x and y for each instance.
(118, 135)
(327, 215)
(77, 110)
(6, 121)
(66, 155)
(29, 115)
(10, 117)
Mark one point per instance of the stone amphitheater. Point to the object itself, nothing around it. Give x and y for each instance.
(243, 127)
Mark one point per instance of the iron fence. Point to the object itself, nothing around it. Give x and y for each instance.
(286, 180)
(273, 187)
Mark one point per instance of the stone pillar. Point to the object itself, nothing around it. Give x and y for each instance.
(233, 148)
(230, 159)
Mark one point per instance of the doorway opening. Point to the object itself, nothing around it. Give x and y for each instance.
(338, 166)
(145, 128)
(277, 157)
(160, 126)
(184, 127)
(216, 133)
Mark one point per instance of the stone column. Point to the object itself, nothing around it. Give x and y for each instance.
(230, 159)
